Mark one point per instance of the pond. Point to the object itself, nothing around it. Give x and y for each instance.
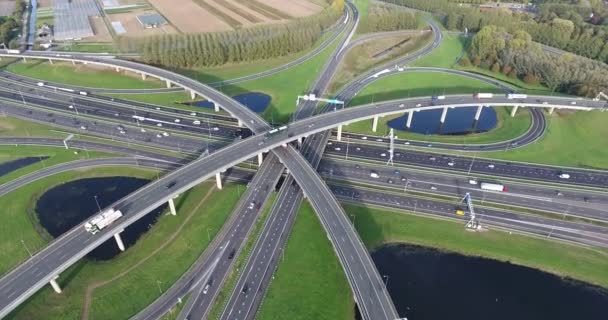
(255, 101)
(64, 206)
(10, 166)
(458, 121)
(427, 284)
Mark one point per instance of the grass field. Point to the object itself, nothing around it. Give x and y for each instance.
(309, 282)
(361, 58)
(139, 274)
(308, 244)
(94, 47)
(82, 75)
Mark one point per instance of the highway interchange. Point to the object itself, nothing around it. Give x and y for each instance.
(307, 176)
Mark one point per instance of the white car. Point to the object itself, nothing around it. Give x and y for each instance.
(329, 143)
(122, 132)
(165, 134)
(564, 176)
(374, 175)
(433, 188)
(142, 130)
(573, 102)
(83, 127)
(358, 149)
(215, 129)
(401, 105)
(407, 143)
(158, 135)
(383, 154)
(363, 138)
(159, 124)
(419, 105)
(70, 107)
(251, 205)
(472, 181)
(197, 122)
(491, 166)
(193, 113)
(379, 140)
(451, 163)
(177, 120)
(206, 289)
(337, 148)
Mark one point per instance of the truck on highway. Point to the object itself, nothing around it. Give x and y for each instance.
(83, 93)
(493, 186)
(276, 131)
(516, 96)
(459, 212)
(102, 220)
(481, 95)
(13, 51)
(435, 98)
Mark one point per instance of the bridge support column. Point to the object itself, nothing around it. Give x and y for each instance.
(240, 123)
(513, 111)
(119, 242)
(260, 158)
(410, 116)
(551, 110)
(218, 180)
(444, 114)
(73, 62)
(168, 83)
(192, 94)
(375, 124)
(143, 76)
(172, 207)
(117, 69)
(216, 107)
(478, 114)
(55, 285)
(340, 133)
(51, 61)
(24, 59)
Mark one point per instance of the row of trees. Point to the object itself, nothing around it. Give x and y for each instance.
(518, 56)
(11, 25)
(385, 18)
(248, 44)
(584, 39)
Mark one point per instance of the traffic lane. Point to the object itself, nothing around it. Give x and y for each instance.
(368, 288)
(582, 234)
(475, 166)
(538, 197)
(129, 115)
(109, 130)
(249, 209)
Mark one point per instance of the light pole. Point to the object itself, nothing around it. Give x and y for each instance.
(26, 249)
(471, 166)
(385, 277)
(97, 202)
(354, 219)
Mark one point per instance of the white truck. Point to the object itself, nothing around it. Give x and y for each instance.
(493, 186)
(102, 220)
(481, 95)
(517, 96)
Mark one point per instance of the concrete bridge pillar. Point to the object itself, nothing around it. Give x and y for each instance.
(478, 113)
(300, 141)
(55, 285)
(444, 114)
(240, 123)
(218, 180)
(513, 111)
(73, 62)
(51, 61)
(168, 83)
(260, 158)
(340, 133)
(375, 124)
(24, 59)
(216, 107)
(143, 76)
(551, 110)
(119, 242)
(192, 94)
(172, 207)
(410, 116)
(117, 69)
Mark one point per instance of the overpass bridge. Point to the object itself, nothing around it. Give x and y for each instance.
(64, 251)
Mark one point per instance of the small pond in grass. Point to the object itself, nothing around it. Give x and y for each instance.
(10, 166)
(428, 284)
(458, 121)
(255, 101)
(64, 206)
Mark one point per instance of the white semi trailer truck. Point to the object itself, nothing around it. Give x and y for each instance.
(102, 220)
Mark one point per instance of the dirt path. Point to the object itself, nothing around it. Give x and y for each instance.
(91, 287)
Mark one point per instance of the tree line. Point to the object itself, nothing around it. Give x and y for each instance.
(242, 45)
(11, 25)
(577, 36)
(385, 18)
(516, 55)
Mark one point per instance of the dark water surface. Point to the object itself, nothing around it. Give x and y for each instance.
(10, 166)
(427, 284)
(61, 208)
(458, 121)
(255, 101)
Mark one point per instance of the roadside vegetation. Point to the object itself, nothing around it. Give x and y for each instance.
(83, 75)
(378, 227)
(121, 287)
(309, 282)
